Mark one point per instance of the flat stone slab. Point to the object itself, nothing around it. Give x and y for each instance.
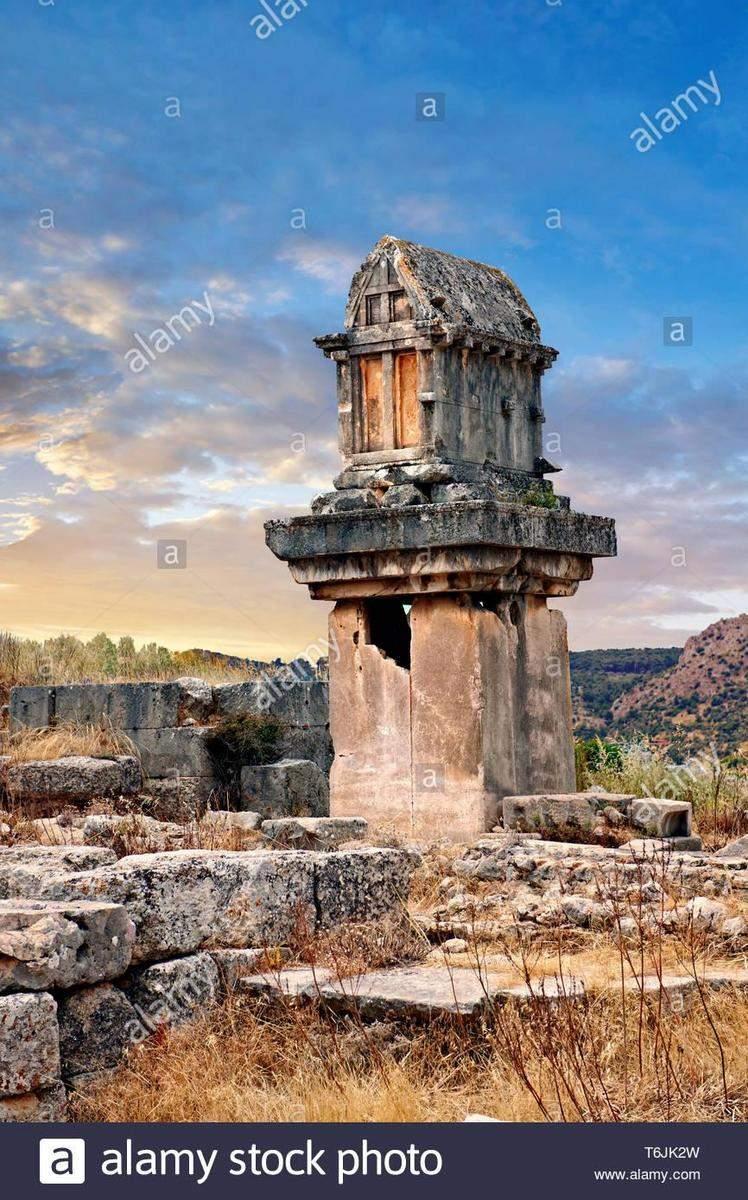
(48, 944)
(29, 1043)
(412, 992)
(74, 778)
(236, 965)
(290, 982)
(313, 833)
(736, 849)
(471, 523)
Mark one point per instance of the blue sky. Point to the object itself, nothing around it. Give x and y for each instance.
(150, 211)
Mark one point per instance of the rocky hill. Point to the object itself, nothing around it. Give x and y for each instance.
(599, 677)
(702, 698)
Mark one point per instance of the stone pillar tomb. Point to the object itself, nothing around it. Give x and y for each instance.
(439, 547)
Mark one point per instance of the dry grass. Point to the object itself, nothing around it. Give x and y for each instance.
(240, 1064)
(60, 741)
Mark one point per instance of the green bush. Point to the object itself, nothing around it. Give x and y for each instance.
(245, 741)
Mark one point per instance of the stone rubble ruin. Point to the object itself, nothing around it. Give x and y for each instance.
(440, 547)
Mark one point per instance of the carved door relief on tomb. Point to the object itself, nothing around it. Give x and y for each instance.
(391, 417)
(373, 406)
(407, 422)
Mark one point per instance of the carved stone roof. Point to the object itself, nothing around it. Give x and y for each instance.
(455, 291)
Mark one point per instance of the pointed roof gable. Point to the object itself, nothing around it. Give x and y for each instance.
(456, 291)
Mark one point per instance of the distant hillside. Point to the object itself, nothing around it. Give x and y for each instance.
(599, 677)
(702, 698)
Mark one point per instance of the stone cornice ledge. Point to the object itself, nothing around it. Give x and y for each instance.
(428, 526)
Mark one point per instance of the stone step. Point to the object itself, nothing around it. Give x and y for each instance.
(421, 992)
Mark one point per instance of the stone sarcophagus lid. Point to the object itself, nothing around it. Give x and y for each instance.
(440, 544)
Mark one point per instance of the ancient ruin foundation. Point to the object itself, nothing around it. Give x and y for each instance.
(440, 547)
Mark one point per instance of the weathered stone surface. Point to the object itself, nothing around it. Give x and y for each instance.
(361, 885)
(196, 701)
(29, 1043)
(736, 849)
(74, 779)
(313, 833)
(224, 821)
(25, 869)
(475, 523)
(185, 900)
(290, 982)
(402, 495)
(345, 500)
(44, 944)
(291, 787)
(170, 993)
(235, 965)
(735, 928)
(96, 1029)
(431, 747)
(31, 707)
(48, 1104)
(181, 798)
(284, 696)
(173, 753)
(139, 834)
(706, 914)
(411, 992)
(662, 818)
(532, 813)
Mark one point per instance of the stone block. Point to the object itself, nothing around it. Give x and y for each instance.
(96, 1029)
(662, 818)
(175, 753)
(171, 993)
(295, 983)
(48, 1104)
(73, 779)
(310, 742)
(285, 696)
(223, 821)
(47, 944)
(182, 798)
(313, 833)
(31, 707)
(530, 814)
(134, 834)
(196, 701)
(291, 787)
(25, 869)
(736, 849)
(402, 495)
(361, 885)
(126, 705)
(184, 900)
(29, 1043)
